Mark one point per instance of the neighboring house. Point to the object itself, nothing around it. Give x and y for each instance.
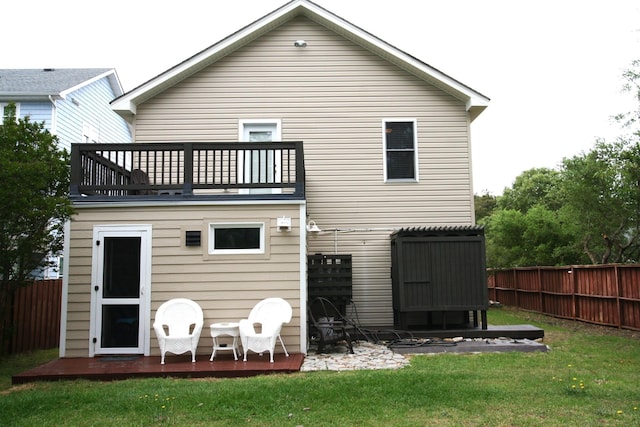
(299, 119)
(72, 103)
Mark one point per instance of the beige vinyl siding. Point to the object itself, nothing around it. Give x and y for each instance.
(334, 96)
(225, 287)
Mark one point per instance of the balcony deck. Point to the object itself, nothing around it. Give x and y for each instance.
(187, 171)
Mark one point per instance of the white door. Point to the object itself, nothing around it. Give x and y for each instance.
(120, 290)
(260, 166)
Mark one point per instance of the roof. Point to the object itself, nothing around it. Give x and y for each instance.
(126, 104)
(22, 84)
(440, 231)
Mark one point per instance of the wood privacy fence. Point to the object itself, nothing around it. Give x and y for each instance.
(602, 294)
(32, 320)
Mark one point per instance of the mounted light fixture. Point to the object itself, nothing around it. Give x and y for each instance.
(300, 43)
(283, 224)
(312, 227)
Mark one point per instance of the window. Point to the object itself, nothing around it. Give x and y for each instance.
(260, 166)
(236, 238)
(89, 133)
(9, 109)
(400, 150)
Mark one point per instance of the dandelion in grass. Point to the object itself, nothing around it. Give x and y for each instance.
(159, 408)
(573, 385)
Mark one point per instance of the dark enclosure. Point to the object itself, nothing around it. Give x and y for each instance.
(438, 276)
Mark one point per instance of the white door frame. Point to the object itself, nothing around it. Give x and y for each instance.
(244, 127)
(99, 233)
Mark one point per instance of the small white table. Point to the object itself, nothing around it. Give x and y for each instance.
(225, 328)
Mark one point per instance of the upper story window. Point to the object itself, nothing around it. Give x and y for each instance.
(236, 238)
(8, 109)
(400, 150)
(89, 133)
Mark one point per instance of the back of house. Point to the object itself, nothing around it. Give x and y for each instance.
(299, 135)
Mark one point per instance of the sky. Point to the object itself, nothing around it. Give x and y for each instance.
(552, 68)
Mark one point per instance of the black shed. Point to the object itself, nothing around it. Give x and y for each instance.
(438, 276)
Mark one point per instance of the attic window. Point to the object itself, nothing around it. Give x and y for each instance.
(400, 148)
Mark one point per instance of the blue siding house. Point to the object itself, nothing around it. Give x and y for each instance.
(73, 103)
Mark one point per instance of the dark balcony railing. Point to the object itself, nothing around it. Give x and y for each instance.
(110, 172)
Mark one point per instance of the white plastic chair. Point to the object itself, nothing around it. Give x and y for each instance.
(183, 320)
(271, 314)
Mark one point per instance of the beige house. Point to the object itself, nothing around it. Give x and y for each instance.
(298, 119)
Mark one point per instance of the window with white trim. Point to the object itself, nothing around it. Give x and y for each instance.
(400, 150)
(236, 238)
(5, 110)
(89, 133)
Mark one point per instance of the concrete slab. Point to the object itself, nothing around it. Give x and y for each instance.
(486, 345)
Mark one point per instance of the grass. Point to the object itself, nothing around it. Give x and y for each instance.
(498, 389)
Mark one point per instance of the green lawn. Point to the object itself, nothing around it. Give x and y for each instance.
(590, 377)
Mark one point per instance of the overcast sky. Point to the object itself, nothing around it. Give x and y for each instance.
(552, 68)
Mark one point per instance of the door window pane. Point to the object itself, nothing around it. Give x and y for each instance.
(121, 267)
(120, 326)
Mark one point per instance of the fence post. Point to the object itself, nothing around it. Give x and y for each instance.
(616, 276)
(574, 300)
(540, 299)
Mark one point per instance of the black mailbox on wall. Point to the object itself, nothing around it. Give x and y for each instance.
(438, 270)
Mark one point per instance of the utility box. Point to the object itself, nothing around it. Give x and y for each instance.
(330, 276)
(438, 276)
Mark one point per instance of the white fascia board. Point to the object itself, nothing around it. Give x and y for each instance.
(424, 71)
(108, 73)
(125, 105)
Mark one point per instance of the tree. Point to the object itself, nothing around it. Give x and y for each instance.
(535, 237)
(602, 189)
(602, 200)
(537, 186)
(34, 177)
(484, 204)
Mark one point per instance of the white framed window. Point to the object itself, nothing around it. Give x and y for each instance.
(89, 133)
(5, 111)
(236, 238)
(400, 142)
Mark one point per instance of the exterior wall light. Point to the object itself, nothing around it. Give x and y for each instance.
(313, 228)
(300, 43)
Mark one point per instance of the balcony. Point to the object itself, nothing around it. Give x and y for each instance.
(187, 171)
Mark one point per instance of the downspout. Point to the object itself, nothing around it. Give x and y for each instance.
(54, 114)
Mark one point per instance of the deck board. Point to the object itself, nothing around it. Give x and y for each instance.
(108, 368)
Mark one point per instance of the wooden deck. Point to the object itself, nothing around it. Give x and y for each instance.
(107, 368)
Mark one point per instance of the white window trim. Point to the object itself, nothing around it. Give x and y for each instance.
(242, 123)
(212, 227)
(416, 168)
(90, 133)
(4, 104)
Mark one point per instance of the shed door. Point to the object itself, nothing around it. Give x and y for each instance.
(119, 292)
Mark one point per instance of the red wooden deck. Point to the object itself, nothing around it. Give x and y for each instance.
(124, 367)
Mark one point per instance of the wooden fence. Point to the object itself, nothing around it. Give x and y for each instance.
(33, 319)
(602, 294)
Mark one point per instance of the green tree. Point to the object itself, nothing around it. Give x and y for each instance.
(34, 177)
(484, 204)
(535, 237)
(602, 200)
(537, 186)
